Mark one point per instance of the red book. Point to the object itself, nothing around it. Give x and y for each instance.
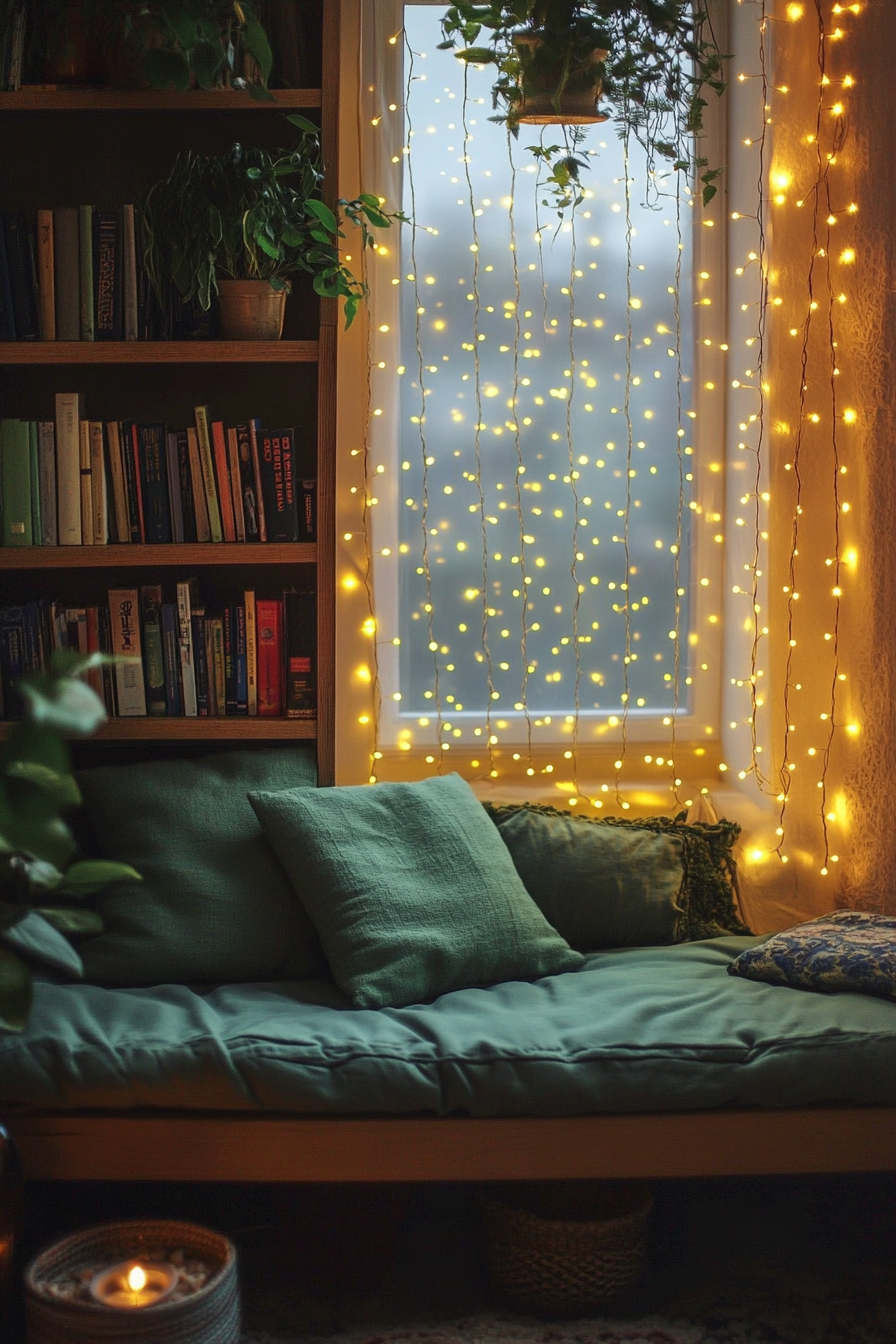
(269, 656)
(222, 472)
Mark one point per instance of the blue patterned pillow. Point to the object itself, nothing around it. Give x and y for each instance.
(846, 950)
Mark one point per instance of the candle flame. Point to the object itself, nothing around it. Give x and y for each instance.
(136, 1279)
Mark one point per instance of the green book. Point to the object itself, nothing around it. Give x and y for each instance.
(34, 463)
(15, 478)
(85, 271)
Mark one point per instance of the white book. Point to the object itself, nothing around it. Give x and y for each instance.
(186, 592)
(124, 616)
(69, 412)
(86, 483)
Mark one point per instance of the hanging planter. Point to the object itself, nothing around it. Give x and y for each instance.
(558, 95)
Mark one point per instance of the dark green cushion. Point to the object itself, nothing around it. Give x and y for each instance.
(215, 905)
(411, 889)
(615, 882)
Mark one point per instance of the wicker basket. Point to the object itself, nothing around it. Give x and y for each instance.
(209, 1316)
(560, 1248)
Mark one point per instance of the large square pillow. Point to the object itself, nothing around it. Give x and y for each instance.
(615, 882)
(214, 905)
(411, 889)
(846, 950)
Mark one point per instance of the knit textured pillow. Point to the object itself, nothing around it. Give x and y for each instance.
(846, 950)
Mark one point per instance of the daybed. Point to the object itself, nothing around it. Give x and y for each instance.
(647, 1061)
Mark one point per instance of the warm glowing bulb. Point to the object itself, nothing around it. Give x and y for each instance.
(136, 1278)
(794, 12)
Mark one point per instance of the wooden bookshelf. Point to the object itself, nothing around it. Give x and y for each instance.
(201, 730)
(158, 352)
(187, 555)
(154, 100)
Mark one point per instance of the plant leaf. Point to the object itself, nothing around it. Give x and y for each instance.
(206, 60)
(73, 923)
(165, 69)
(16, 991)
(62, 789)
(324, 214)
(86, 876)
(35, 938)
(255, 42)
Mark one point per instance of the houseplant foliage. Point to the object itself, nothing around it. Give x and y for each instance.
(656, 60)
(42, 883)
(253, 214)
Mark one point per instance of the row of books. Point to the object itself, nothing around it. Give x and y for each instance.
(12, 47)
(252, 657)
(77, 481)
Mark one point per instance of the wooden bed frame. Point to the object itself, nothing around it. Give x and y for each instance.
(217, 1146)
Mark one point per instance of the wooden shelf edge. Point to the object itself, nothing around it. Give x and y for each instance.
(199, 730)
(154, 100)
(158, 352)
(183, 555)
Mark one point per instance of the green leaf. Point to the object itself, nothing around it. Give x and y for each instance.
(478, 56)
(65, 704)
(35, 938)
(16, 991)
(206, 60)
(255, 42)
(267, 247)
(61, 789)
(303, 124)
(86, 876)
(73, 923)
(165, 69)
(324, 214)
(261, 93)
(708, 192)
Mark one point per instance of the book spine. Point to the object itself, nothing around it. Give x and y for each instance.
(278, 486)
(300, 635)
(216, 668)
(45, 280)
(17, 49)
(222, 479)
(233, 462)
(7, 312)
(66, 273)
(124, 612)
(201, 660)
(129, 272)
(239, 660)
(153, 656)
(110, 686)
(87, 320)
(230, 707)
(135, 480)
(107, 277)
(186, 486)
(46, 452)
(185, 647)
(175, 502)
(154, 483)
(24, 294)
(15, 477)
(92, 627)
(174, 707)
(31, 615)
(76, 629)
(99, 495)
(69, 412)
(207, 462)
(269, 640)
(307, 498)
(34, 472)
(247, 482)
(251, 654)
(12, 659)
(86, 482)
(255, 450)
(200, 507)
(121, 530)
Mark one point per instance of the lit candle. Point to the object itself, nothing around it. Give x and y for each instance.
(133, 1284)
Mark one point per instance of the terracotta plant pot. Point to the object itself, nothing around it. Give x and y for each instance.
(576, 105)
(251, 310)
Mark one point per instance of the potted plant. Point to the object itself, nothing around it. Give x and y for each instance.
(242, 225)
(42, 884)
(651, 60)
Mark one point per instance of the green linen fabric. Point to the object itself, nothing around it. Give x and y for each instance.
(410, 888)
(620, 882)
(214, 905)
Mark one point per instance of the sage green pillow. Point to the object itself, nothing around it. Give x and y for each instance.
(214, 905)
(411, 889)
(616, 882)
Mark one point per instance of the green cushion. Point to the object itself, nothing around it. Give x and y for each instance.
(214, 905)
(411, 889)
(616, 882)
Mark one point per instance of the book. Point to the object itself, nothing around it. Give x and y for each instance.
(300, 639)
(278, 485)
(153, 656)
(99, 500)
(251, 654)
(240, 672)
(69, 413)
(222, 480)
(86, 483)
(110, 687)
(45, 282)
(7, 313)
(46, 453)
(66, 272)
(247, 482)
(22, 277)
(207, 462)
(35, 647)
(34, 472)
(133, 488)
(215, 629)
(171, 658)
(269, 657)
(17, 48)
(233, 463)
(124, 613)
(175, 500)
(200, 658)
(86, 315)
(107, 279)
(15, 477)
(76, 629)
(153, 462)
(120, 528)
(255, 453)
(12, 659)
(129, 273)
(92, 628)
(307, 497)
(188, 510)
(197, 481)
(230, 697)
(187, 591)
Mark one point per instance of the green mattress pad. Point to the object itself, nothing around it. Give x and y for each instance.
(637, 1029)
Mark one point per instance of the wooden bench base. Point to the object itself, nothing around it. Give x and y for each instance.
(174, 1146)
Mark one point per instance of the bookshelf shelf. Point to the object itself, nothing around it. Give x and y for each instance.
(185, 555)
(158, 352)
(200, 730)
(155, 100)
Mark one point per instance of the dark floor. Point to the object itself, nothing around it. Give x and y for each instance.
(328, 1257)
